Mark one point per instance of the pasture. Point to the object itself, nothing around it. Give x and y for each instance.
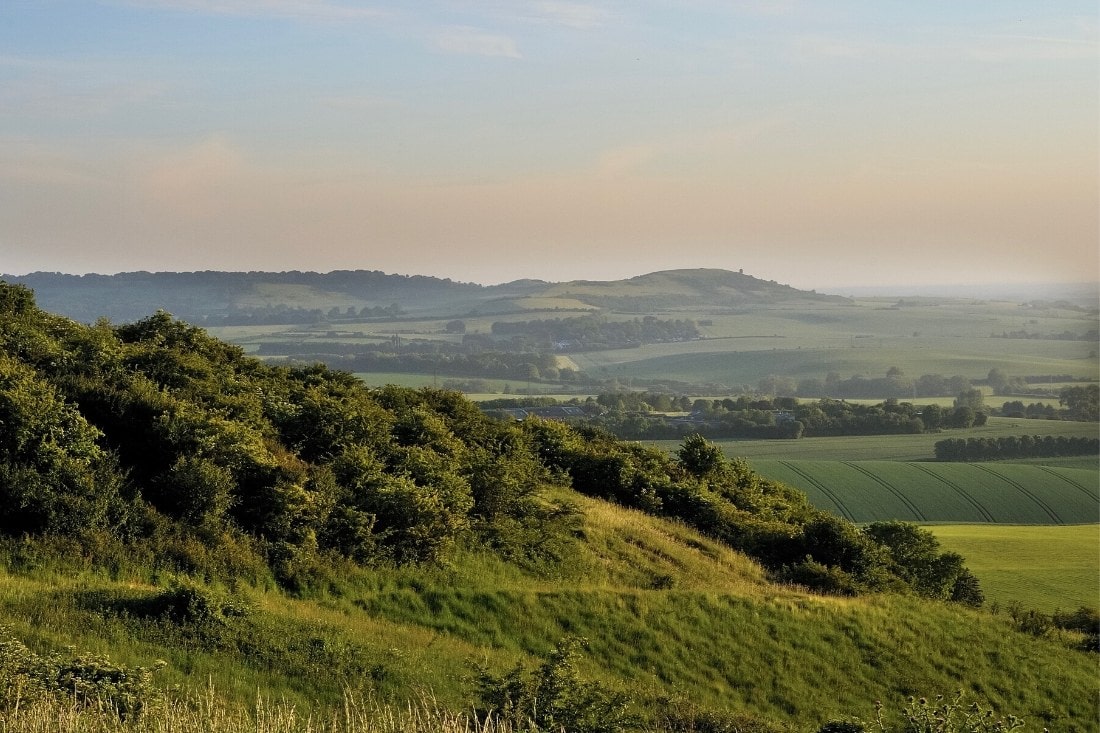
(1045, 568)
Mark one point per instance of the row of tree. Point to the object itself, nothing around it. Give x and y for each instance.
(630, 415)
(1012, 446)
(586, 333)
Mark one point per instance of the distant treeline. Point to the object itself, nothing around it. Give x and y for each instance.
(1011, 446)
(1091, 335)
(424, 359)
(281, 315)
(597, 332)
(205, 297)
(635, 416)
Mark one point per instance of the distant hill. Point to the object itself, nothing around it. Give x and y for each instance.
(685, 288)
(296, 296)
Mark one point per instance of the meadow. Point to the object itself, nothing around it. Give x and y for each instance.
(676, 621)
(1046, 568)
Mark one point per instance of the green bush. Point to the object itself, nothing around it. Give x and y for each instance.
(82, 679)
(553, 697)
(941, 715)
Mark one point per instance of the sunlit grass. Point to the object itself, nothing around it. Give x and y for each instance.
(1045, 568)
(667, 614)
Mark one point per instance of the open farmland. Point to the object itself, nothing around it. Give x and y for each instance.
(1045, 568)
(869, 491)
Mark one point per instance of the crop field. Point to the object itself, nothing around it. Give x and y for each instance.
(869, 491)
(735, 361)
(1044, 568)
(919, 447)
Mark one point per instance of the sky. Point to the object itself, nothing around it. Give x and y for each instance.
(820, 144)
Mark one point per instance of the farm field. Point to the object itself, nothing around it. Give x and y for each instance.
(871, 491)
(892, 447)
(1045, 568)
(744, 362)
(739, 347)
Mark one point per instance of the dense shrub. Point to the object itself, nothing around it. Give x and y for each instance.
(83, 679)
(553, 697)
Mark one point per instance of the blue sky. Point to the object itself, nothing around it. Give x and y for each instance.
(816, 143)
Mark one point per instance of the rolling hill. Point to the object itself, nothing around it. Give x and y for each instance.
(197, 296)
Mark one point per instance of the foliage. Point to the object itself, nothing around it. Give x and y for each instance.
(154, 428)
(553, 697)
(82, 679)
(1011, 446)
(940, 715)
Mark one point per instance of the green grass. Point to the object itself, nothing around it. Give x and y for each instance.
(666, 613)
(870, 491)
(1045, 568)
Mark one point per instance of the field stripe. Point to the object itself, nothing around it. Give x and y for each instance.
(1012, 482)
(959, 490)
(822, 488)
(1071, 482)
(902, 497)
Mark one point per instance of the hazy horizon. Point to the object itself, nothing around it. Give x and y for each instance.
(826, 146)
(1081, 290)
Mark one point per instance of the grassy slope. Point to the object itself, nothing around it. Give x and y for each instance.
(1046, 568)
(715, 634)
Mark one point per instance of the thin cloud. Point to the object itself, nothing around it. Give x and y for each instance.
(1032, 48)
(580, 16)
(291, 9)
(360, 102)
(469, 41)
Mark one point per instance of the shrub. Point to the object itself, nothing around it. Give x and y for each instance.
(83, 679)
(553, 697)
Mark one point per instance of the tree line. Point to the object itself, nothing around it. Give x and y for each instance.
(586, 333)
(1012, 446)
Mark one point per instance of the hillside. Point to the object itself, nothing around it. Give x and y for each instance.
(698, 289)
(199, 296)
(291, 530)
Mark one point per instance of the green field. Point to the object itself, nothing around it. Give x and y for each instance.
(1045, 568)
(870, 491)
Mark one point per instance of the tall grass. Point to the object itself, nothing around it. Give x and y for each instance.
(209, 712)
(668, 614)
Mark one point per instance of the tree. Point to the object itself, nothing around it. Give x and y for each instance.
(456, 326)
(1083, 403)
(972, 398)
(997, 380)
(961, 417)
(916, 559)
(700, 457)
